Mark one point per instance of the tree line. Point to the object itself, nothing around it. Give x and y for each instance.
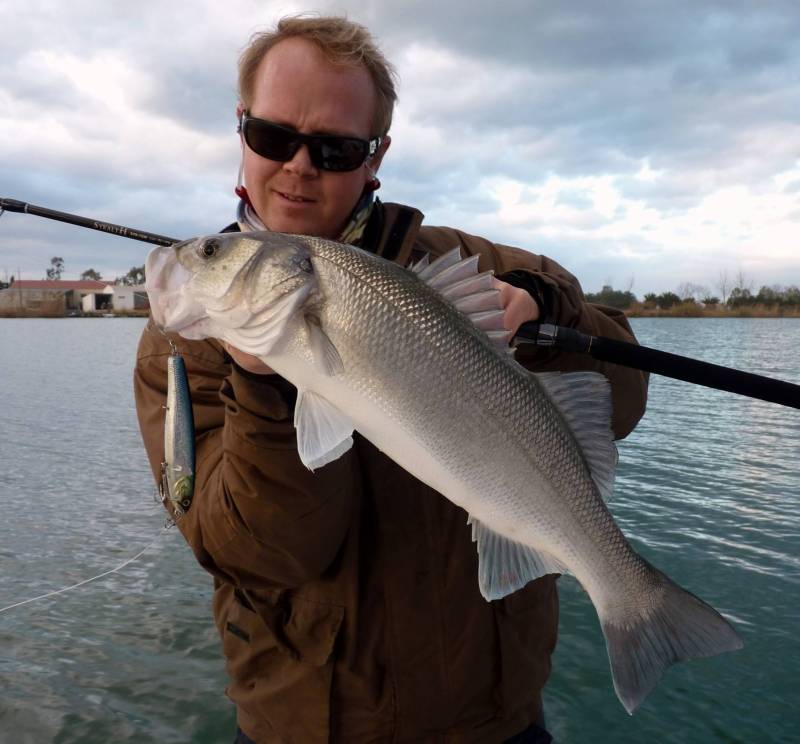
(134, 277)
(733, 293)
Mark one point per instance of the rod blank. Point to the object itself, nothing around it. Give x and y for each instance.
(14, 205)
(662, 363)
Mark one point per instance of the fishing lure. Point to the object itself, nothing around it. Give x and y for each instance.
(177, 469)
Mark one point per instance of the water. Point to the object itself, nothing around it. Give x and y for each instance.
(708, 489)
(134, 657)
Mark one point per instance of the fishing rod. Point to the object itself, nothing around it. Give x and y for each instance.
(662, 363)
(13, 205)
(539, 334)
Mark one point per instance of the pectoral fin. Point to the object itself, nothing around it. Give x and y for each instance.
(324, 433)
(325, 353)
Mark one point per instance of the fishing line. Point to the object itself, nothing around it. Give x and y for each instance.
(86, 581)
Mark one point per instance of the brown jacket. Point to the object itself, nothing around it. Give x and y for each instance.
(347, 599)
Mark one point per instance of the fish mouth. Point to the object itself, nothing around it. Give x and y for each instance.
(165, 281)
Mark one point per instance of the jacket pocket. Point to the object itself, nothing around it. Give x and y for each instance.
(280, 655)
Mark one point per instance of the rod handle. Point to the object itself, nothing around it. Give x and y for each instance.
(12, 205)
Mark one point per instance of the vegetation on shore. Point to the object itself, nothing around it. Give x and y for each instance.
(698, 310)
(738, 300)
(134, 277)
(14, 312)
(695, 301)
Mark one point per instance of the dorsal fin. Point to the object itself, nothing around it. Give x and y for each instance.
(464, 269)
(459, 282)
(421, 264)
(584, 399)
(479, 302)
(445, 261)
(489, 320)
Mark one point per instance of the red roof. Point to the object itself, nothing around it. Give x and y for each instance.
(87, 285)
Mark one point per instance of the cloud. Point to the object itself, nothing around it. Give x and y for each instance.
(648, 139)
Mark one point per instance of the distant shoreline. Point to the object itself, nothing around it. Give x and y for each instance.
(696, 310)
(635, 311)
(105, 314)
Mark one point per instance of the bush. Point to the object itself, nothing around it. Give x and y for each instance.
(667, 299)
(612, 297)
(739, 297)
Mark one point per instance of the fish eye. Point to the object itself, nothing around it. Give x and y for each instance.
(209, 249)
(305, 265)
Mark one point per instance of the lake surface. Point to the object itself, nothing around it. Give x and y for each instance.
(708, 489)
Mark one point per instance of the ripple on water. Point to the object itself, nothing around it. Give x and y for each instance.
(708, 489)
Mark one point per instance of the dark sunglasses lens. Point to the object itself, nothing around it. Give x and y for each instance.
(268, 140)
(341, 153)
(329, 152)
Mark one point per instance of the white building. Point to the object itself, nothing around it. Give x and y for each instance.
(129, 298)
(56, 298)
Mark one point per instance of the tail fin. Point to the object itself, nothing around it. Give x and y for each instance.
(677, 627)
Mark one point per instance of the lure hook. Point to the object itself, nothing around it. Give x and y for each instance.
(172, 347)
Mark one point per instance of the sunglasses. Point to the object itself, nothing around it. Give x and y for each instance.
(329, 152)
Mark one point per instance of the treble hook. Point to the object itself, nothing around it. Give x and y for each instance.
(172, 347)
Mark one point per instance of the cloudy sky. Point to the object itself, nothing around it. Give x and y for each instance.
(643, 144)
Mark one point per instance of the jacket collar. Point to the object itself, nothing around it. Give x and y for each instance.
(392, 231)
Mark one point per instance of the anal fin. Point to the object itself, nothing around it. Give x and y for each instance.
(504, 566)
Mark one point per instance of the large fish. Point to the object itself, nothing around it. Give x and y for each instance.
(417, 361)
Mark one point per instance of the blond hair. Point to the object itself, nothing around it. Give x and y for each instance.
(343, 42)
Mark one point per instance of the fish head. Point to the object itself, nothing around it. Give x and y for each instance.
(226, 285)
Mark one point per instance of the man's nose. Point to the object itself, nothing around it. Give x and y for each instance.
(301, 164)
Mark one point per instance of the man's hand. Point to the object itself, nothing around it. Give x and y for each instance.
(518, 305)
(247, 361)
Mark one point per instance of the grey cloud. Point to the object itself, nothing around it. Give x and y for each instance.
(644, 80)
(670, 196)
(203, 102)
(706, 92)
(582, 35)
(576, 200)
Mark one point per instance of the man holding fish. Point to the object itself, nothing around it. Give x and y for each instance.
(348, 591)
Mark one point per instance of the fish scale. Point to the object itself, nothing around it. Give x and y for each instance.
(392, 304)
(373, 347)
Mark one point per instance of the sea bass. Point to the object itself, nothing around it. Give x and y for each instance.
(417, 360)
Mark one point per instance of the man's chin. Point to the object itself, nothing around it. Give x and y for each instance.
(289, 221)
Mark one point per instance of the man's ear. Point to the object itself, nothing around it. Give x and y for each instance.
(375, 161)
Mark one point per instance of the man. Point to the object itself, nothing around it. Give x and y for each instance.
(347, 599)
